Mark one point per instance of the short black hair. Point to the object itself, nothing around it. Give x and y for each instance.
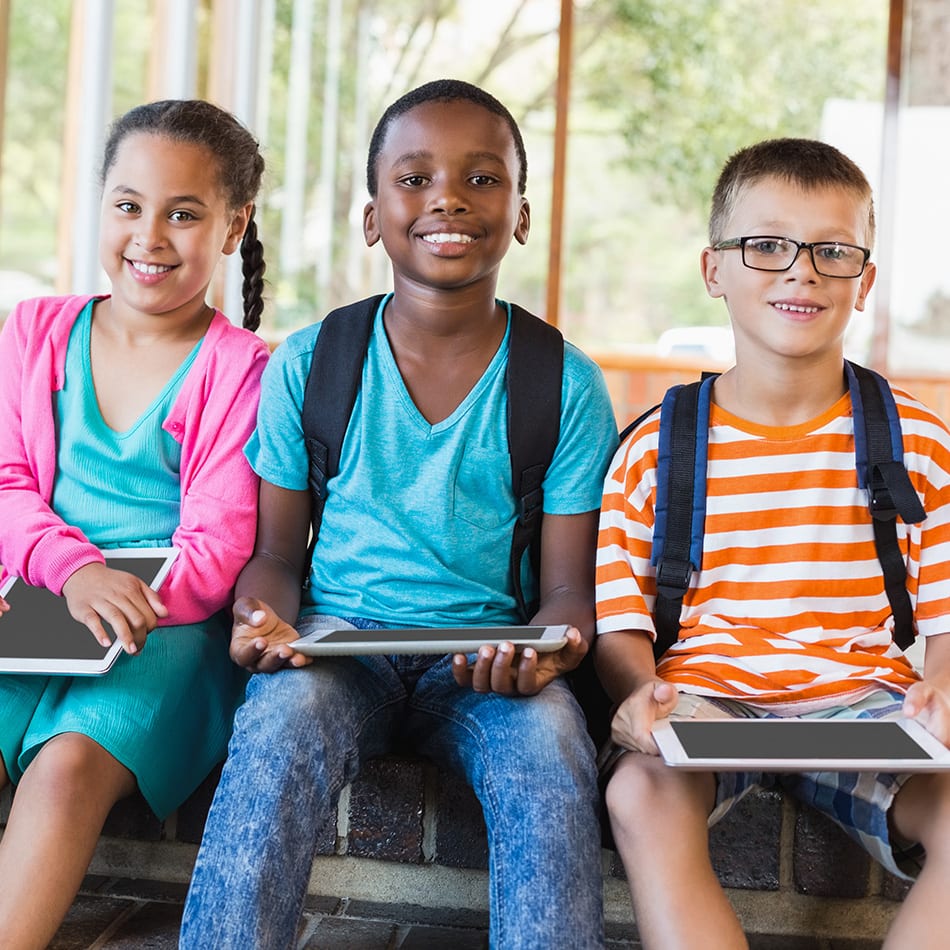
(443, 90)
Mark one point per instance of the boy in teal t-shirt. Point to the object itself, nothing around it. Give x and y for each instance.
(417, 531)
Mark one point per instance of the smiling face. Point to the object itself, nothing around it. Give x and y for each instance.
(164, 225)
(795, 313)
(447, 204)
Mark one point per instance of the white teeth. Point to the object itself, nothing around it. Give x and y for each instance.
(150, 268)
(795, 309)
(441, 238)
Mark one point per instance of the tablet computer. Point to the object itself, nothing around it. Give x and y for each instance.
(38, 634)
(800, 745)
(435, 640)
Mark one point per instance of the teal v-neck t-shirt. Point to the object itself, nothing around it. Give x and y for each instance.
(418, 521)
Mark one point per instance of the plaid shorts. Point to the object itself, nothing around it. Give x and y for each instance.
(856, 801)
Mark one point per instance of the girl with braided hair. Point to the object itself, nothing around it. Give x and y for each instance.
(122, 423)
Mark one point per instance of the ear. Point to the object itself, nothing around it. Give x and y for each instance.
(237, 228)
(524, 222)
(709, 262)
(867, 282)
(370, 228)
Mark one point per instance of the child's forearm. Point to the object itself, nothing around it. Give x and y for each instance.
(624, 662)
(273, 581)
(568, 606)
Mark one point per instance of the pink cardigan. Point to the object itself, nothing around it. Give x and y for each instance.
(212, 418)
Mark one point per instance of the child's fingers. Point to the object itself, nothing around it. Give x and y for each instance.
(503, 670)
(529, 680)
(249, 611)
(124, 632)
(930, 708)
(462, 671)
(155, 603)
(482, 669)
(95, 627)
(665, 697)
(247, 651)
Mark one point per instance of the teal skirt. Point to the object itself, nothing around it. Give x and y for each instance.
(164, 713)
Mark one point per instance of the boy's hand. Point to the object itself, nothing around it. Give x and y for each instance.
(633, 721)
(502, 670)
(259, 638)
(96, 593)
(930, 706)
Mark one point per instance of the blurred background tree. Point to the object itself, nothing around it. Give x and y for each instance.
(662, 92)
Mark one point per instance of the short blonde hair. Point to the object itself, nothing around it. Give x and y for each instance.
(805, 162)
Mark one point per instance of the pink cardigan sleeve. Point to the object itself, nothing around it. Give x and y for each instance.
(35, 543)
(213, 418)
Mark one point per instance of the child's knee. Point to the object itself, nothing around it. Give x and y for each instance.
(921, 812)
(644, 785)
(71, 765)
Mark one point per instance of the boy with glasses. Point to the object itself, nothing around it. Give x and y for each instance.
(787, 613)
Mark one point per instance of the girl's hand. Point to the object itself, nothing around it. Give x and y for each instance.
(259, 638)
(502, 670)
(633, 722)
(4, 606)
(96, 594)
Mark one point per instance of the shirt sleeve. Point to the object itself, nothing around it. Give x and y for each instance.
(35, 543)
(276, 449)
(625, 585)
(219, 490)
(587, 440)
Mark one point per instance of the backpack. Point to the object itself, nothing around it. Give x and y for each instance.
(681, 493)
(533, 380)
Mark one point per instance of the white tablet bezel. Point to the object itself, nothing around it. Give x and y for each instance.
(675, 755)
(96, 665)
(396, 641)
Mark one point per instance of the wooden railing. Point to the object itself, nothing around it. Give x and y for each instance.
(638, 381)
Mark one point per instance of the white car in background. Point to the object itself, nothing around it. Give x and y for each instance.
(715, 344)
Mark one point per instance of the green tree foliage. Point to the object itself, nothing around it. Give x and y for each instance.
(690, 83)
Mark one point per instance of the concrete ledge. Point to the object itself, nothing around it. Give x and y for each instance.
(428, 893)
(412, 838)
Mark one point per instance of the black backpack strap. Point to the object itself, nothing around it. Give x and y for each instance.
(336, 370)
(627, 429)
(680, 503)
(535, 369)
(879, 458)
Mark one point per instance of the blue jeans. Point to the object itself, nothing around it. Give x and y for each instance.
(303, 734)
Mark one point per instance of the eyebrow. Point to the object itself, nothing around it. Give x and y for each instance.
(175, 199)
(424, 155)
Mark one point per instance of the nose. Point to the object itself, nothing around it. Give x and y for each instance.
(149, 232)
(448, 195)
(806, 269)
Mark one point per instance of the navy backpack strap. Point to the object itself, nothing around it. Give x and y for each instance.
(535, 369)
(334, 380)
(879, 458)
(680, 502)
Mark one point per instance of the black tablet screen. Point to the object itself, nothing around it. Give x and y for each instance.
(39, 626)
(796, 739)
(474, 635)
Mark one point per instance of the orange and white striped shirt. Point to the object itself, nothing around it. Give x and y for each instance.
(789, 607)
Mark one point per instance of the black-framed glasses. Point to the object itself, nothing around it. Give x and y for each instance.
(829, 258)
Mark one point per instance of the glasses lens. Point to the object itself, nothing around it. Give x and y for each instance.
(768, 253)
(830, 258)
(838, 260)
